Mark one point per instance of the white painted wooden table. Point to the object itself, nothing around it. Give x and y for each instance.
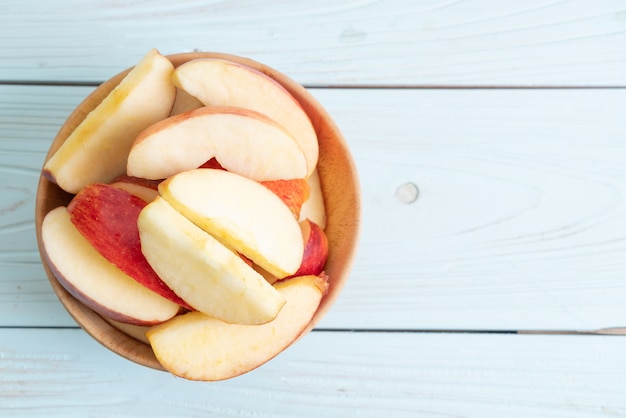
(492, 294)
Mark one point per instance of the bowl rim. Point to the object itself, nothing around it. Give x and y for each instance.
(98, 327)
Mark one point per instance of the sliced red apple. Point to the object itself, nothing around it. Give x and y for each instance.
(292, 192)
(147, 190)
(150, 184)
(97, 149)
(107, 217)
(219, 82)
(138, 332)
(315, 249)
(203, 272)
(96, 282)
(196, 347)
(314, 208)
(241, 213)
(315, 253)
(241, 140)
(270, 278)
(184, 102)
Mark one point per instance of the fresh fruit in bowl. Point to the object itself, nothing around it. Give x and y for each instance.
(198, 213)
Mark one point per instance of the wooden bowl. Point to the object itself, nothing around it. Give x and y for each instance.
(340, 187)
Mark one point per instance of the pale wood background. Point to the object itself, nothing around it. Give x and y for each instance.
(326, 42)
(520, 224)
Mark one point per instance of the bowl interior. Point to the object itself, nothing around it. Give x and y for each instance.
(340, 187)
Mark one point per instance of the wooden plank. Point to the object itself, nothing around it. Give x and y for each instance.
(442, 42)
(521, 215)
(519, 223)
(62, 373)
(29, 119)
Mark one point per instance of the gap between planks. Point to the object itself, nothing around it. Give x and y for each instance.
(603, 331)
(353, 86)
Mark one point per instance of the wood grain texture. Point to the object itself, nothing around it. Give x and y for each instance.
(64, 373)
(355, 42)
(520, 222)
(29, 118)
(483, 209)
(521, 213)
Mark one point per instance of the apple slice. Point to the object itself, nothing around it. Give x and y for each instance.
(196, 347)
(107, 217)
(314, 208)
(138, 332)
(96, 282)
(150, 184)
(315, 253)
(184, 102)
(97, 149)
(270, 278)
(293, 192)
(221, 82)
(144, 189)
(241, 140)
(203, 272)
(315, 249)
(241, 213)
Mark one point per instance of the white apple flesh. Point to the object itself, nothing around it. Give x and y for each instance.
(96, 282)
(221, 82)
(184, 102)
(197, 347)
(138, 332)
(97, 149)
(241, 140)
(314, 207)
(144, 193)
(144, 189)
(204, 273)
(241, 213)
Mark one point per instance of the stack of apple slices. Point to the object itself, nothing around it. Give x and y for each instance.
(197, 213)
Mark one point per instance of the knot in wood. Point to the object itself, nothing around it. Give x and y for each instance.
(407, 193)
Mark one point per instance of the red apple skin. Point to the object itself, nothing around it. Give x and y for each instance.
(293, 192)
(212, 163)
(315, 249)
(107, 217)
(245, 259)
(93, 280)
(92, 304)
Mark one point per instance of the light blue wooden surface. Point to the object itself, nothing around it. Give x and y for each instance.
(353, 42)
(330, 375)
(520, 223)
